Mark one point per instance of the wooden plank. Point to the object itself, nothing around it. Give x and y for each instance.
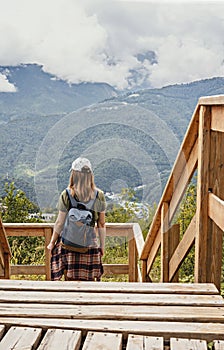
(144, 271)
(41, 269)
(140, 342)
(109, 298)
(187, 344)
(135, 342)
(47, 234)
(184, 180)
(115, 269)
(2, 329)
(18, 338)
(183, 248)
(216, 186)
(139, 278)
(211, 100)
(27, 226)
(28, 270)
(218, 345)
(2, 258)
(217, 122)
(7, 271)
(202, 236)
(3, 239)
(5, 252)
(196, 330)
(154, 250)
(62, 339)
(112, 287)
(115, 312)
(139, 240)
(165, 242)
(24, 229)
(174, 238)
(216, 210)
(132, 261)
(105, 341)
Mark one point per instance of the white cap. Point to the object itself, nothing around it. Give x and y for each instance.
(81, 163)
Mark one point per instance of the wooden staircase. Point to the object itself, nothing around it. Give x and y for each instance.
(110, 315)
(137, 316)
(202, 150)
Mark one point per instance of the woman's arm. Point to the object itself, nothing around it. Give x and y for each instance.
(58, 227)
(102, 231)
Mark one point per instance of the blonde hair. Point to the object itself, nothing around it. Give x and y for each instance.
(81, 184)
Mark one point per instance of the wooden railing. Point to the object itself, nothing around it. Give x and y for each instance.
(131, 231)
(5, 253)
(202, 150)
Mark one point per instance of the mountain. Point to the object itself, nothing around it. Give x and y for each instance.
(40, 93)
(132, 138)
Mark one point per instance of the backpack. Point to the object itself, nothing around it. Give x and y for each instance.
(77, 232)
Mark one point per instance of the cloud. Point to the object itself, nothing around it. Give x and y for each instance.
(5, 85)
(101, 40)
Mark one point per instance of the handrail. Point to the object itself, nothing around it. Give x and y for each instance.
(201, 149)
(131, 231)
(5, 253)
(174, 178)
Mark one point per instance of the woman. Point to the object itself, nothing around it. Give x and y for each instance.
(73, 264)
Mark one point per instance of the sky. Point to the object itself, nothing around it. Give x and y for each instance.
(121, 42)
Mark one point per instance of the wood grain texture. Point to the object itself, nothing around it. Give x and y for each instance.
(139, 342)
(187, 344)
(18, 338)
(104, 341)
(61, 339)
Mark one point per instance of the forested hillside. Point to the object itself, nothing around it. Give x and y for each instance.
(132, 138)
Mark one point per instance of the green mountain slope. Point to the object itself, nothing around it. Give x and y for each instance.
(131, 139)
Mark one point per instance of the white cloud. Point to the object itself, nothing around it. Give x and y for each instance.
(99, 40)
(5, 85)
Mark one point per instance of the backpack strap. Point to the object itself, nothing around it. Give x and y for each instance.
(72, 201)
(77, 204)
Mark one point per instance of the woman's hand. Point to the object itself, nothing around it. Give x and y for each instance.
(50, 246)
(101, 251)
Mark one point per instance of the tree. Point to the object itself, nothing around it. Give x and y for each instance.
(16, 207)
(126, 211)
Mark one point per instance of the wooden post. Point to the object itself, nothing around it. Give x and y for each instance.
(132, 260)
(144, 270)
(216, 186)
(7, 271)
(202, 226)
(165, 242)
(5, 251)
(174, 239)
(47, 235)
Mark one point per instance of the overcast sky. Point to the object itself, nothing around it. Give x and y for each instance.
(105, 40)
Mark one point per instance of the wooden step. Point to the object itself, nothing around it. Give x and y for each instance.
(115, 312)
(137, 309)
(95, 298)
(21, 338)
(166, 329)
(30, 338)
(108, 287)
(61, 339)
(139, 342)
(102, 340)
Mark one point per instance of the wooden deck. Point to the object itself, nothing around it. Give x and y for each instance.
(134, 316)
(101, 315)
